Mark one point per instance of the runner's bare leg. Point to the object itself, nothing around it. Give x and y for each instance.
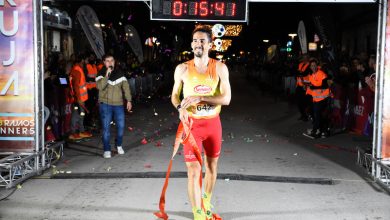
(211, 165)
(194, 190)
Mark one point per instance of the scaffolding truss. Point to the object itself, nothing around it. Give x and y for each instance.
(18, 167)
(378, 170)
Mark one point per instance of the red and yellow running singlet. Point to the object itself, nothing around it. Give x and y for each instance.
(202, 84)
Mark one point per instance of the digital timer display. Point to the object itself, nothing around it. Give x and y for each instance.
(199, 10)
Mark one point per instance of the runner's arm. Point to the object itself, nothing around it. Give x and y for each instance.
(177, 86)
(176, 91)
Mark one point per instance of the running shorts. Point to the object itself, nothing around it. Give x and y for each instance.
(208, 136)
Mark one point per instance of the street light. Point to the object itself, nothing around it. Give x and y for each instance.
(265, 41)
(290, 43)
(292, 35)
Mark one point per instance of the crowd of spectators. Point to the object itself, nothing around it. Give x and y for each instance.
(145, 79)
(349, 105)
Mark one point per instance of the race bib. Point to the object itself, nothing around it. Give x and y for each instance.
(203, 109)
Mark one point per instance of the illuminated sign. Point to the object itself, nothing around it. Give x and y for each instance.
(312, 46)
(203, 10)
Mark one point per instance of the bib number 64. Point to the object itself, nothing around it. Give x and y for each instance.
(204, 107)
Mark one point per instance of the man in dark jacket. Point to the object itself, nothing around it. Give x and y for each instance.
(112, 84)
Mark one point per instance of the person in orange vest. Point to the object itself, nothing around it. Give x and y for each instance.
(99, 64)
(302, 77)
(91, 71)
(206, 87)
(320, 92)
(80, 94)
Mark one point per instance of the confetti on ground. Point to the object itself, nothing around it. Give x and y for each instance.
(130, 129)
(18, 186)
(144, 141)
(158, 144)
(248, 140)
(108, 169)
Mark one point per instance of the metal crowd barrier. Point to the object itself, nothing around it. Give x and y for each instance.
(144, 86)
(289, 83)
(18, 167)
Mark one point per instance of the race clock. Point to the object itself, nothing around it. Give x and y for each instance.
(200, 10)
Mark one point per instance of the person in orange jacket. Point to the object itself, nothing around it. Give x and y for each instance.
(302, 77)
(90, 72)
(319, 90)
(80, 94)
(99, 64)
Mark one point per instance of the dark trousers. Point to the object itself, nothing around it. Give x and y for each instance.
(303, 101)
(320, 115)
(91, 104)
(77, 120)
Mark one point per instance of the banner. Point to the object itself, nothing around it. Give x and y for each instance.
(386, 96)
(134, 42)
(363, 109)
(91, 27)
(328, 53)
(302, 37)
(17, 89)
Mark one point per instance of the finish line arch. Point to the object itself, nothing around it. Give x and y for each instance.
(35, 146)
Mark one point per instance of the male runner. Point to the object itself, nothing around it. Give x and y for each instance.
(205, 85)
